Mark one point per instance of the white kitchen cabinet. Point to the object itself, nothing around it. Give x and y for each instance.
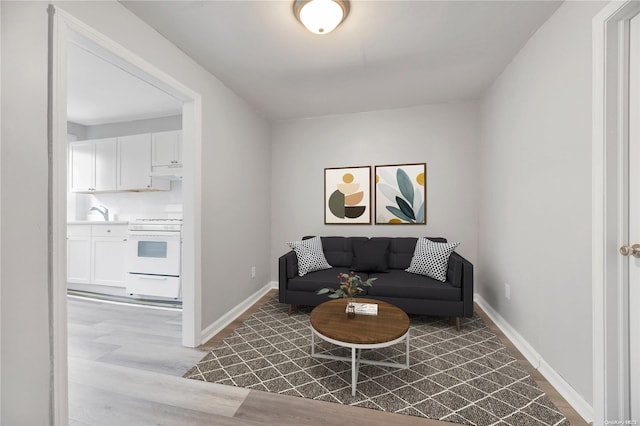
(108, 246)
(96, 254)
(79, 254)
(92, 165)
(106, 158)
(166, 150)
(134, 165)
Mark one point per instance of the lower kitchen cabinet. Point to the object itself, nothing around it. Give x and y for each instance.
(79, 254)
(96, 254)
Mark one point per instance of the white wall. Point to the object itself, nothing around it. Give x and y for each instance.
(535, 208)
(443, 136)
(23, 195)
(235, 190)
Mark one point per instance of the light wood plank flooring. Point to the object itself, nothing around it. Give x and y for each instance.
(126, 363)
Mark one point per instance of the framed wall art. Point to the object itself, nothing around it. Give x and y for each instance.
(347, 195)
(401, 194)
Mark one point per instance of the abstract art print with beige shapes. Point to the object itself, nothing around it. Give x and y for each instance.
(401, 194)
(347, 195)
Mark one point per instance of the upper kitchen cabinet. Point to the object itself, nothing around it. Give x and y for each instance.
(134, 165)
(92, 165)
(117, 164)
(166, 150)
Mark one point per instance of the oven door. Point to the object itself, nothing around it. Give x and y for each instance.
(156, 253)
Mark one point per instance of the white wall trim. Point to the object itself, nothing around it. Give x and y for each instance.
(235, 312)
(535, 359)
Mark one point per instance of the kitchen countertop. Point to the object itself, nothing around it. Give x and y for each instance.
(97, 222)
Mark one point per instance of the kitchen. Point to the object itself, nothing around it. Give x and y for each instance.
(124, 201)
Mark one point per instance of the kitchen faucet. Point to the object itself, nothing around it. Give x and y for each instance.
(104, 213)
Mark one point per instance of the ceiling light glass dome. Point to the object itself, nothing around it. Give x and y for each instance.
(321, 16)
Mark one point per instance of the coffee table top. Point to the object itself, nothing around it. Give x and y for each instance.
(330, 320)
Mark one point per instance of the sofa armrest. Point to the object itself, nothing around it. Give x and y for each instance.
(454, 270)
(287, 268)
(461, 269)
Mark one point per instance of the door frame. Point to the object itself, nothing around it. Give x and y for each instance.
(610, 143)
(62, 28)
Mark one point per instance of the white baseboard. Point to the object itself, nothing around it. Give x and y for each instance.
(565, 389)
(235, 312)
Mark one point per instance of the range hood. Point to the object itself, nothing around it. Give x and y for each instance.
(169, 174)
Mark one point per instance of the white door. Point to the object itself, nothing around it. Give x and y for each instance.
(634, 218)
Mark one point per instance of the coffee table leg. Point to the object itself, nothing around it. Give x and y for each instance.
(354, 374)
(407, 359)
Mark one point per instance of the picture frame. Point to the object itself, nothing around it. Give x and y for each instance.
(347, 195)
(401, 194)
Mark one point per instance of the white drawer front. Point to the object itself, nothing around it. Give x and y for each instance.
(153, 285)
(78, 230)
(109, 230)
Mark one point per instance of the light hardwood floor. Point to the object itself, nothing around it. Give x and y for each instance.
(126, 363)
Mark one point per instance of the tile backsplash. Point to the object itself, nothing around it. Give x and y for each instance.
(128, 205)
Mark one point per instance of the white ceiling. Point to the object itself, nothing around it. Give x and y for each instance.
(387, 54)
(99, 92)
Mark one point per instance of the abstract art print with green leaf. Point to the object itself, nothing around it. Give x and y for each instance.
(347, 195)
(401, 194)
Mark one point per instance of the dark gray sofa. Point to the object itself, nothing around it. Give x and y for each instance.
(415, 294)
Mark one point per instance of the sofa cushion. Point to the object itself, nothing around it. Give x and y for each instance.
(310, 255)
(319, 279)
(401, 284)
(370, 255)
(400, 251)
(431, 259)
(339, 250)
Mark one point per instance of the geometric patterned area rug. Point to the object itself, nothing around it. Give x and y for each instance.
(465, 377)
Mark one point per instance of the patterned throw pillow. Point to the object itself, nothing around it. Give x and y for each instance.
(431, 259)
(310, 255)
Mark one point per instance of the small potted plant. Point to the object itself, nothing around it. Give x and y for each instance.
(350, 286)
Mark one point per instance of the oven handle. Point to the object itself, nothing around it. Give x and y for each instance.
(152, 277)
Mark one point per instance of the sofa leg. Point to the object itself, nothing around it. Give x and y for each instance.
(293, 309)
(458, 326)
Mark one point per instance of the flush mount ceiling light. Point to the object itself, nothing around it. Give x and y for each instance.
(321, 16)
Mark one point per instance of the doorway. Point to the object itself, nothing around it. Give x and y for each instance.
(124, 167)
(64, 27)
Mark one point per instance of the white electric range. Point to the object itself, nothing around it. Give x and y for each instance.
(154, 258)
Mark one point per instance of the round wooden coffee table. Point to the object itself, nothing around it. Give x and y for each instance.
(330, 323)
